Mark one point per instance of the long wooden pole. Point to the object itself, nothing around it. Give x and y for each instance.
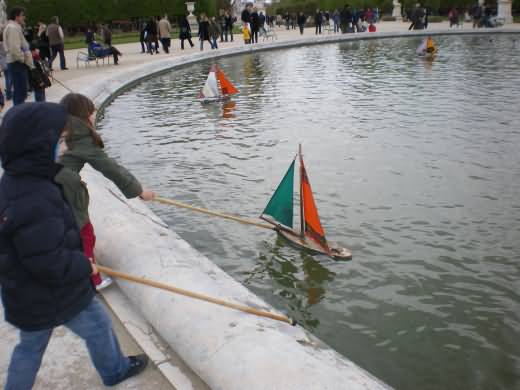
(194, 295)
(213, 213)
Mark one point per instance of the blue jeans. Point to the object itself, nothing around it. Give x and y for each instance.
(55, 50)
(93, 325)
(20, 78)
(8, 84)
(39, 95)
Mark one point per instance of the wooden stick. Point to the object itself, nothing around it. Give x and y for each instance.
(194, 295)
(60, 83)
(213, 213)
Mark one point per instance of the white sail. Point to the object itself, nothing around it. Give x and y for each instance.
(210, 89)
(422, 47)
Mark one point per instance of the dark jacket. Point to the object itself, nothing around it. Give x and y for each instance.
(184, 28)
(44, 275)
(229, 21)
(83, 150)
(255, 21)
(301, 20)
(245, 16)
(151, 30)
(204, 31)
(39, 75)
(214, 30)
(261, 19)
(318, 18)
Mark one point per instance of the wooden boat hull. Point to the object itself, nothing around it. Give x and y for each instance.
(297, 240)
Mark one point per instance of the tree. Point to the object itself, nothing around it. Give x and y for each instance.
(75, 13)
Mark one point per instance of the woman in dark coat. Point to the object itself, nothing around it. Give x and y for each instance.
(301, 22)
(43, 42)
(185, 31)
(255, 26)
(204, 31)
(152, 36)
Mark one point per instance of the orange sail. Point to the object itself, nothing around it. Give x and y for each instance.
(312, 226)
(225, 85)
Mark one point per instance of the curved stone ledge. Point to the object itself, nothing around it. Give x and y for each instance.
(226, 348)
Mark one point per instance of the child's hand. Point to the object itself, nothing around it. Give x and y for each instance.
(147, 195)
(94, 269)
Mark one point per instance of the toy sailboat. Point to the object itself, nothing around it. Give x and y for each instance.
(279, 212)
(426, 49)
(217, 87)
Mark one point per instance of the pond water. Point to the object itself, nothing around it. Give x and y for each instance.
(415, 167)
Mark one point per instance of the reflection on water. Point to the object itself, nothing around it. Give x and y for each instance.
(301, 279)
(414, 165)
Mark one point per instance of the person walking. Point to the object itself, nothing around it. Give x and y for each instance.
(142, 38)
(222, 24)
(204, 31)
(346, 19)
(165, 30)
(45, 276)
(43, 42)
(185, 31)
(337, 19)
(214, 32)
(453, 17)
(18, 54)
(261, 24)
(255, 25)
(56, 42)
(230, 20)
(301, 22)
(476, 13)
(86, 146)
(152, 42)
(318, 20)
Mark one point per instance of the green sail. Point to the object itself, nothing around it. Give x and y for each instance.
(280, 207)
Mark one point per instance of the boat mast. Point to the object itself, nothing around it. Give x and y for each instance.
(302, 214)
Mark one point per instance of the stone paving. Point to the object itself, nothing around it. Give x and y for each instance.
(66, 364)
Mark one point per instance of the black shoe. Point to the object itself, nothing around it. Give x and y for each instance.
(137, 365)
(65, 68)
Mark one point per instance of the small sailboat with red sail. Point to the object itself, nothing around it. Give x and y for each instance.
(217, 87)
(279, 213)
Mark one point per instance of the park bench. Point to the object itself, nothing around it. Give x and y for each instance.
(89, 56)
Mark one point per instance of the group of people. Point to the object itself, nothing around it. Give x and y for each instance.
(253, 23)
(28, 65)
(153, 31)
(210, 29)
(418, 17)
(349, 19)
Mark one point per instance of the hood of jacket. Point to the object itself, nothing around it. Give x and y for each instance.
(28, 136)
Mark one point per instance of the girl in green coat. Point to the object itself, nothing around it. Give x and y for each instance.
(86, 146)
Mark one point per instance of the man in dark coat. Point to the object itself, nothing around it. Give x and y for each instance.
(44, 275)
(346, 19)
(318, 20)
(255, 26)
(246, 14)
(301, 22)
